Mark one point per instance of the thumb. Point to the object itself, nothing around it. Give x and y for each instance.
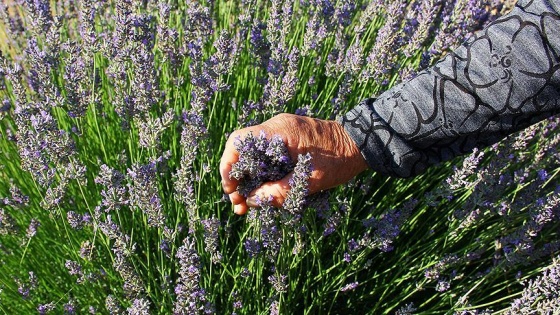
(276, 191)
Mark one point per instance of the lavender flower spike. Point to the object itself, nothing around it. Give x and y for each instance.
(190, 296)
(211, 235)
(260, 160)
(299, 186)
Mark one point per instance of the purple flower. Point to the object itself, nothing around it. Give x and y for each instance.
(112, 305)
(40, 15)
(420, 26)
(260, 48)
(274, 308)
(252, 247)
(190, 296)
(278, 282)
(32, 228)
(443, 286)
(408, 309)
(211, 230)
(383, 56)
(349, 287)
(151, 128)
(353, 245)
(75, 220)
(347, 258)
(46, 308)
(383, 231)
(443, 264)
(542, 174)
(540, 294)
(73, 267)
(245, 273)
(260, 160)
(139, 307)
(69, 308)
(296, 197)
(144, 192)
(87, 250)
(25, 287)
(344, 11)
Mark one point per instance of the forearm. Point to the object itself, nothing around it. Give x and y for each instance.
(505, 78)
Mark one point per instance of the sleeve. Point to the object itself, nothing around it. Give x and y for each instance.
(505, 78)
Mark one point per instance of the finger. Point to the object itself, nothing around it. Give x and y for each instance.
(240, 209)
(236, 198)
(277, 190)
(229, 157)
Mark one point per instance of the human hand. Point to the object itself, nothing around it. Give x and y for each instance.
(335, 157)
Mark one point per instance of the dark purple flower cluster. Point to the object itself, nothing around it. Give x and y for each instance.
(540, 295)
(123, 248)
(112, 305)
(32, 228)
(139, 307)
(299, 183)
(114, 193)
(191, 298)
(74, 269)
(43, 147)
(459, 19)
(483, 192)
(77, 220)
(69, 308)
(46, 308)
(144, 192)
(440, 272)
(25, 287)
(133, 285)
(278, 282)
(17, 198)
(77, 75)
(87, 250)
(408, 309)
(211, 238)
(151, 128)
(383, 56)
(332, 215)
(382, 232)
(13, 23)
(252, 247)
(192, 135)
(420, 25)
(321, 22)
(260, 160)
(266, 221)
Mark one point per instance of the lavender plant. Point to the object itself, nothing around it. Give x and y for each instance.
(113, 118)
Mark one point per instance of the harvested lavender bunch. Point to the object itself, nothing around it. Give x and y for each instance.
(260, 160)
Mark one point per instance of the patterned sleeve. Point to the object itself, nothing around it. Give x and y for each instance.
(505, 78)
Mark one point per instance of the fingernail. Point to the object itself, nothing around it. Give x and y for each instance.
(252, 201)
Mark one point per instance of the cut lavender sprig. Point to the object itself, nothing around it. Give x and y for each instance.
(260, 160)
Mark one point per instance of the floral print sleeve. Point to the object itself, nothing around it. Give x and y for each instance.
(505, 78)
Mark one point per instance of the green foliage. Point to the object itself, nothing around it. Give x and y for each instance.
(176, 173)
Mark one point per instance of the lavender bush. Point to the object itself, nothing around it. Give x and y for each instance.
(113, 118)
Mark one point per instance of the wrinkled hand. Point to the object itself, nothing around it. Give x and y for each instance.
(335, 157)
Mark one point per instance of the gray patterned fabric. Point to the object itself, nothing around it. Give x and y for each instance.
(505, 78)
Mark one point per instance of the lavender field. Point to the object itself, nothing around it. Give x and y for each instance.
(113, 119)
